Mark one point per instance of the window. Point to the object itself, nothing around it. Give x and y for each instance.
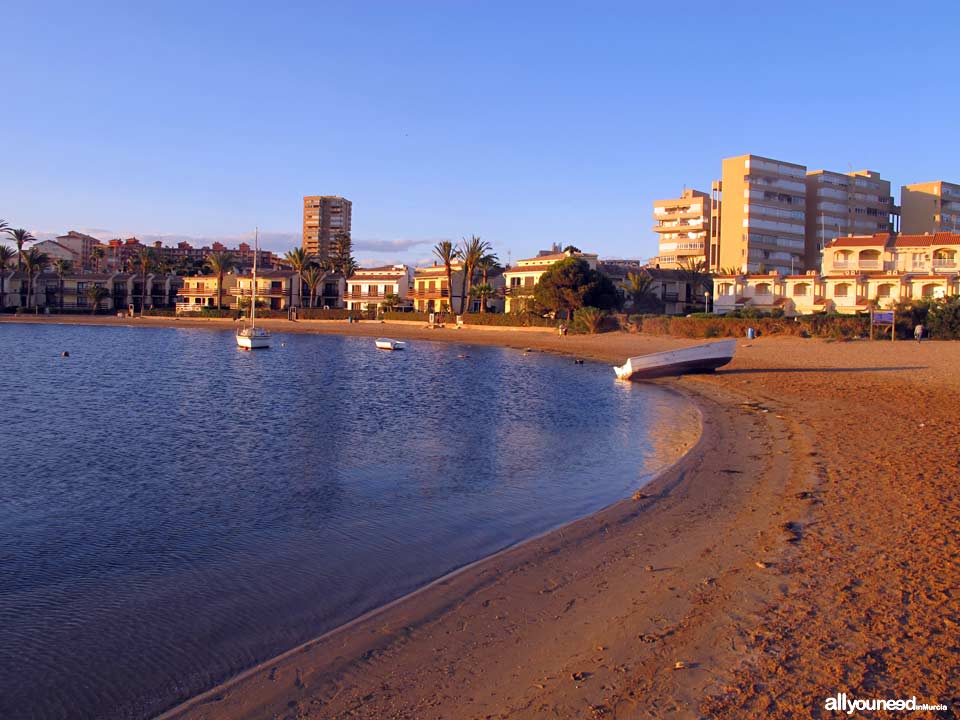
(763, 289)
(801, 290)
(885, 291)
(842, 290)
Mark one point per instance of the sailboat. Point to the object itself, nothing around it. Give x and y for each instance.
(250, 337)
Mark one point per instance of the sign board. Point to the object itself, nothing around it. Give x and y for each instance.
(883, 317)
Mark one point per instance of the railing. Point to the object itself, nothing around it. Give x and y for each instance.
(364, 296)
(871, 265)
(944, 263)
(429, 294)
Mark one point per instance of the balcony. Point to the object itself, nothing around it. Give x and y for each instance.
(199, 292)
(426, 294)
(364, 296)
(944, 264)
(871, 265)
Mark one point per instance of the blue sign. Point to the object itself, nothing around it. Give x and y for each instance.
(883, 318)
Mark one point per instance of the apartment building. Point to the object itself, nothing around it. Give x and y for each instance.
(930, 207)
(369, 287)
(838, 204)
(323, 217)
(683, 227)
(522, 277)
(275, 290)
(758, 216)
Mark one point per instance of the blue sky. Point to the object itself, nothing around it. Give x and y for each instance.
(526, 123)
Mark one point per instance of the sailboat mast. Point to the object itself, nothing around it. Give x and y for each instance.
(253, 286)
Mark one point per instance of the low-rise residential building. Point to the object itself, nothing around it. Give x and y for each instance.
(200, 291)
(430, 292)
(124, 290)
(275, 290)
(522, 277)
(369, 288)
(858, 272)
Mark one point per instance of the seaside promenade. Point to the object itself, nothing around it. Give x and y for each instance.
(808, 545)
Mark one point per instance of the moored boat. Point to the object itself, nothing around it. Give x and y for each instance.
(388, 344)
(697, 359)
(251, 337)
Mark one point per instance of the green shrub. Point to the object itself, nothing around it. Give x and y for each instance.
(322, 314)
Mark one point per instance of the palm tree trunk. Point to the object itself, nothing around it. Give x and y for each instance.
(449, 289)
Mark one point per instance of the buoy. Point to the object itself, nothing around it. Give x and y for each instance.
(64, 354)
(578, 362)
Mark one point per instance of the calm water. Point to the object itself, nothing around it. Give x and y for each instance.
(175, 510)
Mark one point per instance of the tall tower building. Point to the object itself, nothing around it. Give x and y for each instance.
(930, 207)
(759, 209)
(323, 217)
(839, 204)
(683, 225)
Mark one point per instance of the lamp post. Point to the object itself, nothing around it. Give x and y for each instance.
(706, 301)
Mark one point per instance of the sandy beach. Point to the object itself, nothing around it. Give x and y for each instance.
(807, 545)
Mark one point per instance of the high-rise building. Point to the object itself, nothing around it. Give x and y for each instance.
(683, 225)
(839, 204)
(930, 207)
(760, 209)
(323, 217)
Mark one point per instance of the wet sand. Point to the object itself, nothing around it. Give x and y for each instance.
(807, 545)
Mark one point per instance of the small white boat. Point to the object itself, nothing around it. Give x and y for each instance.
(253, 338)
(250, 337)
(696, 359)
(388, 344)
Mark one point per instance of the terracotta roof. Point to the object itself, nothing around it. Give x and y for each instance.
(440, 269)
(940, 238)
(882, 239)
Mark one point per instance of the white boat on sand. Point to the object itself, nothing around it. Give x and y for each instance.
(696, 359)
(388, 344)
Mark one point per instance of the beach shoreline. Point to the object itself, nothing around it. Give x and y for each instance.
(745, 565)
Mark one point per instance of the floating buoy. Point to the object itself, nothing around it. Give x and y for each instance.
(463, 356)
(578, 362)
(64, 354)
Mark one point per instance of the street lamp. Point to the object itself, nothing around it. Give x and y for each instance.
(706, 301)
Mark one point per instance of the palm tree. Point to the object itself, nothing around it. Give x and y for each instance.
(63, 267)
(448, 255)
(299, 260)
(313, 276)
(220, 263)
(33, 262)
(488, 263)
(94, 294)
(482, 292)
(638, 286)
(97, 255)
(694, 275)
(20, 237)
(6, 255)
(390, 302)
(472, 253)
(341, 253)
(144, 262)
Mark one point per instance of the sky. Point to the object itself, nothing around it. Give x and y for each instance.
(526, 123)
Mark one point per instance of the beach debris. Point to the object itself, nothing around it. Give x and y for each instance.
(463, 355)
(579, 676)
(640, 495)
(762, 565)
(598, 710)
(679, 665)
(649, 568)
(643, 637)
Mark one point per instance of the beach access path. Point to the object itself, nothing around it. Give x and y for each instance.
(809, 544)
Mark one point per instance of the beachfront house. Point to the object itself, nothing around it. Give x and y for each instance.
(124, 290)
(275, 290)
(858, 272)
(368, 288)
(521, 278)
(200, 291)
(430, 292)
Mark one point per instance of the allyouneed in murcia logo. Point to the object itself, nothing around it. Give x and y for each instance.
(841, 702)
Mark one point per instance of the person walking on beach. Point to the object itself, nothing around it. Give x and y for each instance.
(918, 332)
